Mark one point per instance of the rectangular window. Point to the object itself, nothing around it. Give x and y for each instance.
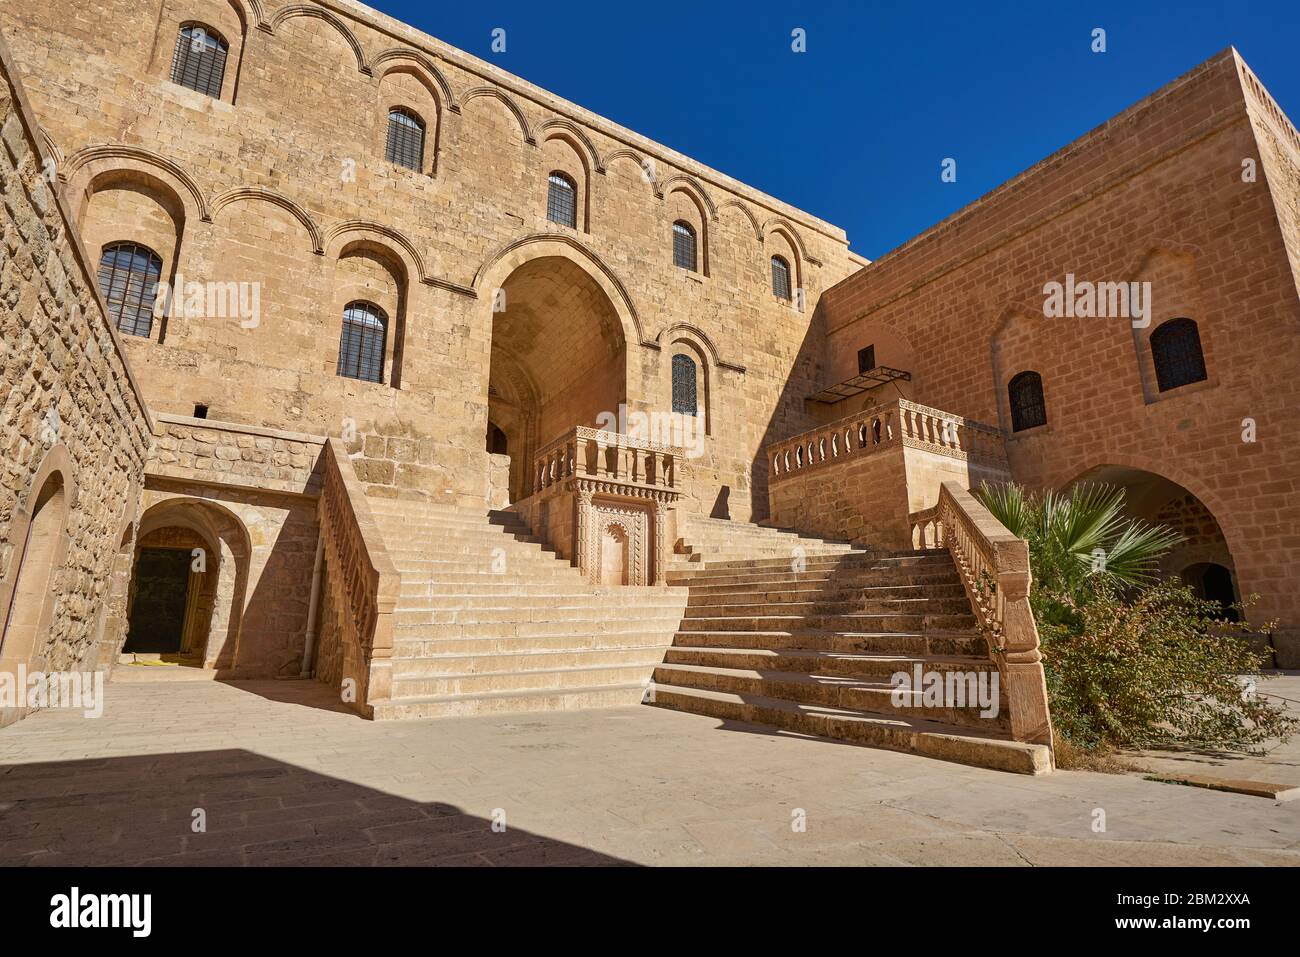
(866, 359)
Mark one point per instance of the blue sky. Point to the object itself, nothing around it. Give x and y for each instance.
(855, 129)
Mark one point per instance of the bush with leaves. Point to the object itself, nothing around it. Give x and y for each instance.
(1130, 661)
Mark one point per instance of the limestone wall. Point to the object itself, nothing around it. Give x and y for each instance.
(281, 183)
(1156, 195)
(73, 428)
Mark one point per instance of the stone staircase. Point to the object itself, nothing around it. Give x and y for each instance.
(709, 540)
(489, 621)
(808, 644)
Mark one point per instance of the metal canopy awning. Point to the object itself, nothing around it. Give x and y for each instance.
(863, 382)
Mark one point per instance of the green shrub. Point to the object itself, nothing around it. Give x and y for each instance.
(1130, 661)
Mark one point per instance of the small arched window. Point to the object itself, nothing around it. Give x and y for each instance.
(362, 342)
(562, 201)
(1028, 410)
(1176, 352)
(685, 393)
(200, 59)
(684, 252)
(128, 277)
(405, 145)
(781, 278)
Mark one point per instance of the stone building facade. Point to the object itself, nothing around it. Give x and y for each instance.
(1194, 190)
(406, 287)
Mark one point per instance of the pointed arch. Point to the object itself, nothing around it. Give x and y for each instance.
(260, 193)
(576, 136)
(181, 180)
(514, 254)
(684, 330)
(412, 262)
(303, 10)
(691, 186)
(747, 213)
(424, 65)
(510, 105)
(783, 226)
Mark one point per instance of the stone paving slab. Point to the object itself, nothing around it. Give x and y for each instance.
(285, 776)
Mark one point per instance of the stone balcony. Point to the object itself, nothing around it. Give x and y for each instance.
(860, 477)
(601, 500)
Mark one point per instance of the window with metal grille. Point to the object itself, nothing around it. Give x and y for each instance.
(200, 59)
(362, 342)
(685, 397)
(562, 201)
(128, 277)
(684, 245)
(405, 140)
(866, 359)
(1176, 352)
(1027, 407)
(780, 278)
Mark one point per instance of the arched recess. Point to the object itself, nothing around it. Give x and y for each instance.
(1178, 502)
(693, 186)
(562, 154)
(576, 136)
(227, 17)
(1170, 268)
(559, 350)
(508, 102)
(780, 241)
(746, 213)
(406, 86)
(92, 163)
(645, 168)
(492, 274)
(425, 68)
(683, 204)
(39, 533)
(303, 10)
(214, 596)
(242, 194)
(394, 242)
(1016, 347)
(369, 271)
(156, 214)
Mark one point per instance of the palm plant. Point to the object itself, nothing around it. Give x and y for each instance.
(1080, 537)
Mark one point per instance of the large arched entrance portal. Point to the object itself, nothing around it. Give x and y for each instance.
(559, 360)
(1202, 559)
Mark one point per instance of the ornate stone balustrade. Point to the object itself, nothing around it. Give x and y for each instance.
(594, 454)
(994, 568)
(860, 477)
(360, 586)
(885, 426)
(601, 500)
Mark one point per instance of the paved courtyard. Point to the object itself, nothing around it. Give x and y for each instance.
(279, 774)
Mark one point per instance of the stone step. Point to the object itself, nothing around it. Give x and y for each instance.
(705, 578)
(432, 645)
(835, 563)
(856, 693)
(531, 680)
(445, 665)
(508, 598)
(611, 625)
(895, 621)
(921, 604)
(891, 731)
(809, 592)
(563, 574)
(893, 642)
(572, 615)
(526, 590)
(814, 661)
(510, 702)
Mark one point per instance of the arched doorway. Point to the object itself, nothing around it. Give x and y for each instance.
(189, 574)
(1202, 559)
(559, 360)
(31, 604)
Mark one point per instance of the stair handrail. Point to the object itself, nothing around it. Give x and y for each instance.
(994, 568)
(365, 582)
